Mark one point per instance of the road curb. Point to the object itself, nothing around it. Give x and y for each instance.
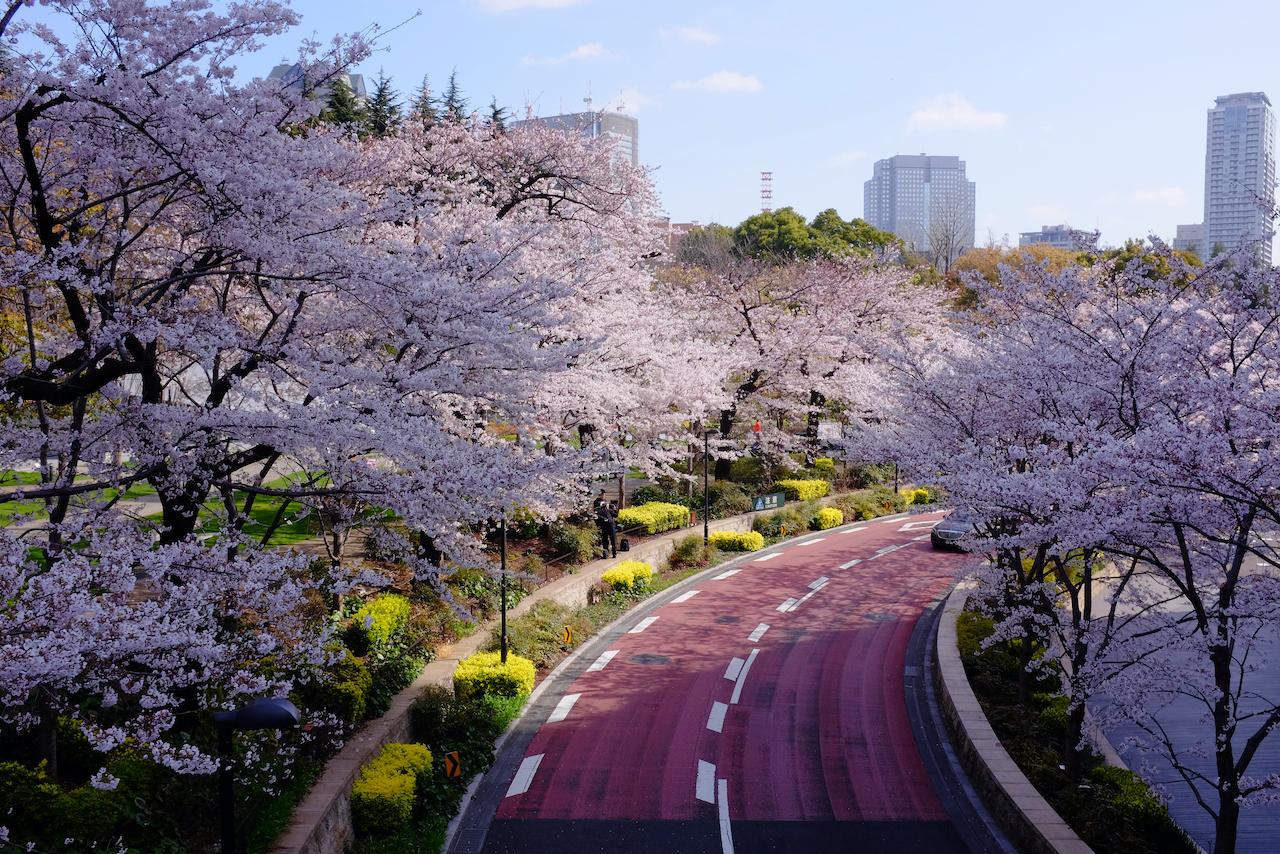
(1031, 822)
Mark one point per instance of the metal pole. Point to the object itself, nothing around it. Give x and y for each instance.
(226, 794)
(895, 478)
(503, 525)
(706, 453)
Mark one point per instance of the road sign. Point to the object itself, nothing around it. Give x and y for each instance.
(772, 501)
(452, 764)
(568, 636)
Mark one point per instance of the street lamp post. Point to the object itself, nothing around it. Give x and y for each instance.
(260, 713)
(706, 502)
(502, 584)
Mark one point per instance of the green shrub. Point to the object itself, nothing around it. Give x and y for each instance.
(538, 635)
(524, 524)
(628, 575)
(827, 517)
(789, 520)
(1135, 798)
(726, 498)
(864, 475)
(802, 490)
(919, 495)
(484, 674)
(575, 543)
(887, 500)
(654, 517)
(972, 629)
(343, 691)
(382, 796)
(824, 464)
(1053, 709)
(661, 492)
(381, 621)
(690, 551)
(737, 541)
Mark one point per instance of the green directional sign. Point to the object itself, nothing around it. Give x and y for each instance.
(772, 501)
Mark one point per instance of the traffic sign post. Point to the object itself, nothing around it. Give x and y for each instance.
(452, 764)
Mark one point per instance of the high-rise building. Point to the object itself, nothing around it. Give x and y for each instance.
(1240, 175)
(1190, 237)
(1059, 237)
(926, 201)
(623, 130)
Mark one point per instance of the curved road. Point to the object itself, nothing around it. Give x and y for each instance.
(761, 707)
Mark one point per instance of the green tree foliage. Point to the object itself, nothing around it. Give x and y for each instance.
(454, 105)
(705, 245)
(498, 116)
(343, 108)
(382, 115)
(783, 235)
(424, 104)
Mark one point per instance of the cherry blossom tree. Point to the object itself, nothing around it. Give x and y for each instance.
(213, 289)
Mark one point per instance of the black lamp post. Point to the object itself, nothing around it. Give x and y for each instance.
(260, 713)
(706, 502)
(502, 583)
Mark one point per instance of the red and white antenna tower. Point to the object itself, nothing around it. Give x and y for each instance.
(766, 192)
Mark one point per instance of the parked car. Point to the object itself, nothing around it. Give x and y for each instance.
(947, 533)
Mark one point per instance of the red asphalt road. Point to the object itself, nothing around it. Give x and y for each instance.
(820, 731)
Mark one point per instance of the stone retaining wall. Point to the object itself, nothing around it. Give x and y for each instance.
(322, 822)
(1028, 818)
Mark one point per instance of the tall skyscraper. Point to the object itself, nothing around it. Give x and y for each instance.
(623, 130)
(1240, 175)
(927, 201)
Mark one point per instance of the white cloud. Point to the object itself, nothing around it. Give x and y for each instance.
(590, 50)
(953, 112)
(722, 81)
(1165, 197)
(498, 6)
(692, 35)
(631, 101)
(845, 159)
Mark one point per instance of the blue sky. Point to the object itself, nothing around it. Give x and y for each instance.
(1087, 112)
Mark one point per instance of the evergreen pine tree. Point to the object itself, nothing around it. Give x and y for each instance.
(424, 104)
(497, 116)
(455, 104)
(342, 108)
(382, 115)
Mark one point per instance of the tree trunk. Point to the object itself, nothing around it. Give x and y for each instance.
(1072, 755)
(1228, 820)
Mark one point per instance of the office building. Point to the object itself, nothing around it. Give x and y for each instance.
(293, 75)
(624, 131)
(1240, 176)
(926, 201)
(1059, 237)
(1190, 238)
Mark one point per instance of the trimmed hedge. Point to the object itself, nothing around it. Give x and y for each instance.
(827, 517)
(737, 541)
(383, 794)
(802, 490)
(628, 575)
(655, 517)
(484, 674)
(382, 620)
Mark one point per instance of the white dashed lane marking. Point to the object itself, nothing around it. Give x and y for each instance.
(524, 775)
(685, 597)
(561, 711)
(642, 625)
(767, 557)
(715, 721)
(705, 788)
(726, 574)
(605, 658)
(758, 633)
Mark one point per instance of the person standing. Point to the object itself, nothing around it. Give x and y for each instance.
(607, 523)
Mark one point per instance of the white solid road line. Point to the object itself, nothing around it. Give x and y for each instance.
(728, 572)
(920, 538)
(786, 606)
(854, 562)
(822, 580)
(715, 722)
(742, 677)
(561, 711)
(758, 633)
(705, 788)
(642, 625)
(605, 658)
(810, 542)
(685, 597)
(524, 776)
(767, 557)
(726, 832)
(734, 668)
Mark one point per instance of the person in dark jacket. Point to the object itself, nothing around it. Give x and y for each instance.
(607, 522)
